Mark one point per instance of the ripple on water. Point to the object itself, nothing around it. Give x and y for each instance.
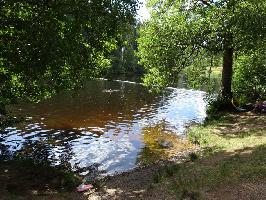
(114, 130)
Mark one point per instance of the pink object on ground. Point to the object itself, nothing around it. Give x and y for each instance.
(84, 187)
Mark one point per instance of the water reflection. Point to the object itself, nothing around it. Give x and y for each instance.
(161, 144)
(108, 123)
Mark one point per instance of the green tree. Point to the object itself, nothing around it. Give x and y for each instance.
(49, 45)
(123, 60)
(249, 79)
(182, 33)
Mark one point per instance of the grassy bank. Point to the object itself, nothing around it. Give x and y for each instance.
(232, 164)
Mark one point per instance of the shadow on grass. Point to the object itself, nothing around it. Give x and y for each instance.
(225, 135)
(240, 126)
(242, 134)
(224, 169)
(23, 178)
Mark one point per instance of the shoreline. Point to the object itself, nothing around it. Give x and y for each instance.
(217, 168)
(229, 160)
(183, 157)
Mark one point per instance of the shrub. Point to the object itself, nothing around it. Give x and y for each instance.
(249, 79)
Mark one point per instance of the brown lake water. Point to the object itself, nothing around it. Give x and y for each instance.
(113, 126)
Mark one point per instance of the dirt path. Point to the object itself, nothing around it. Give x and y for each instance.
(133, 185)
(252, 190)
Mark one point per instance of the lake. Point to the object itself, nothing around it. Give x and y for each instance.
(113, 126)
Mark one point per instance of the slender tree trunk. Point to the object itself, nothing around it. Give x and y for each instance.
(227, 73)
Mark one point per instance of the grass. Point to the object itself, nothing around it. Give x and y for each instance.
(233, 152)
(230, 134)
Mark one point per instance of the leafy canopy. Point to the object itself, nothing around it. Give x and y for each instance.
(184, 33)
(249, 81)
(47, 45)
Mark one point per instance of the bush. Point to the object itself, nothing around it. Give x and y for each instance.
(217, 105)
(249, 79)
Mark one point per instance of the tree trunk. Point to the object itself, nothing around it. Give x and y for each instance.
(227, 73)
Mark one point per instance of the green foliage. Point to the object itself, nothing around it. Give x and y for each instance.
(200, 74)
(186, 33)
(51, 45)
(250, 76)
(154, 79)
(124, 62)
(218, 105)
